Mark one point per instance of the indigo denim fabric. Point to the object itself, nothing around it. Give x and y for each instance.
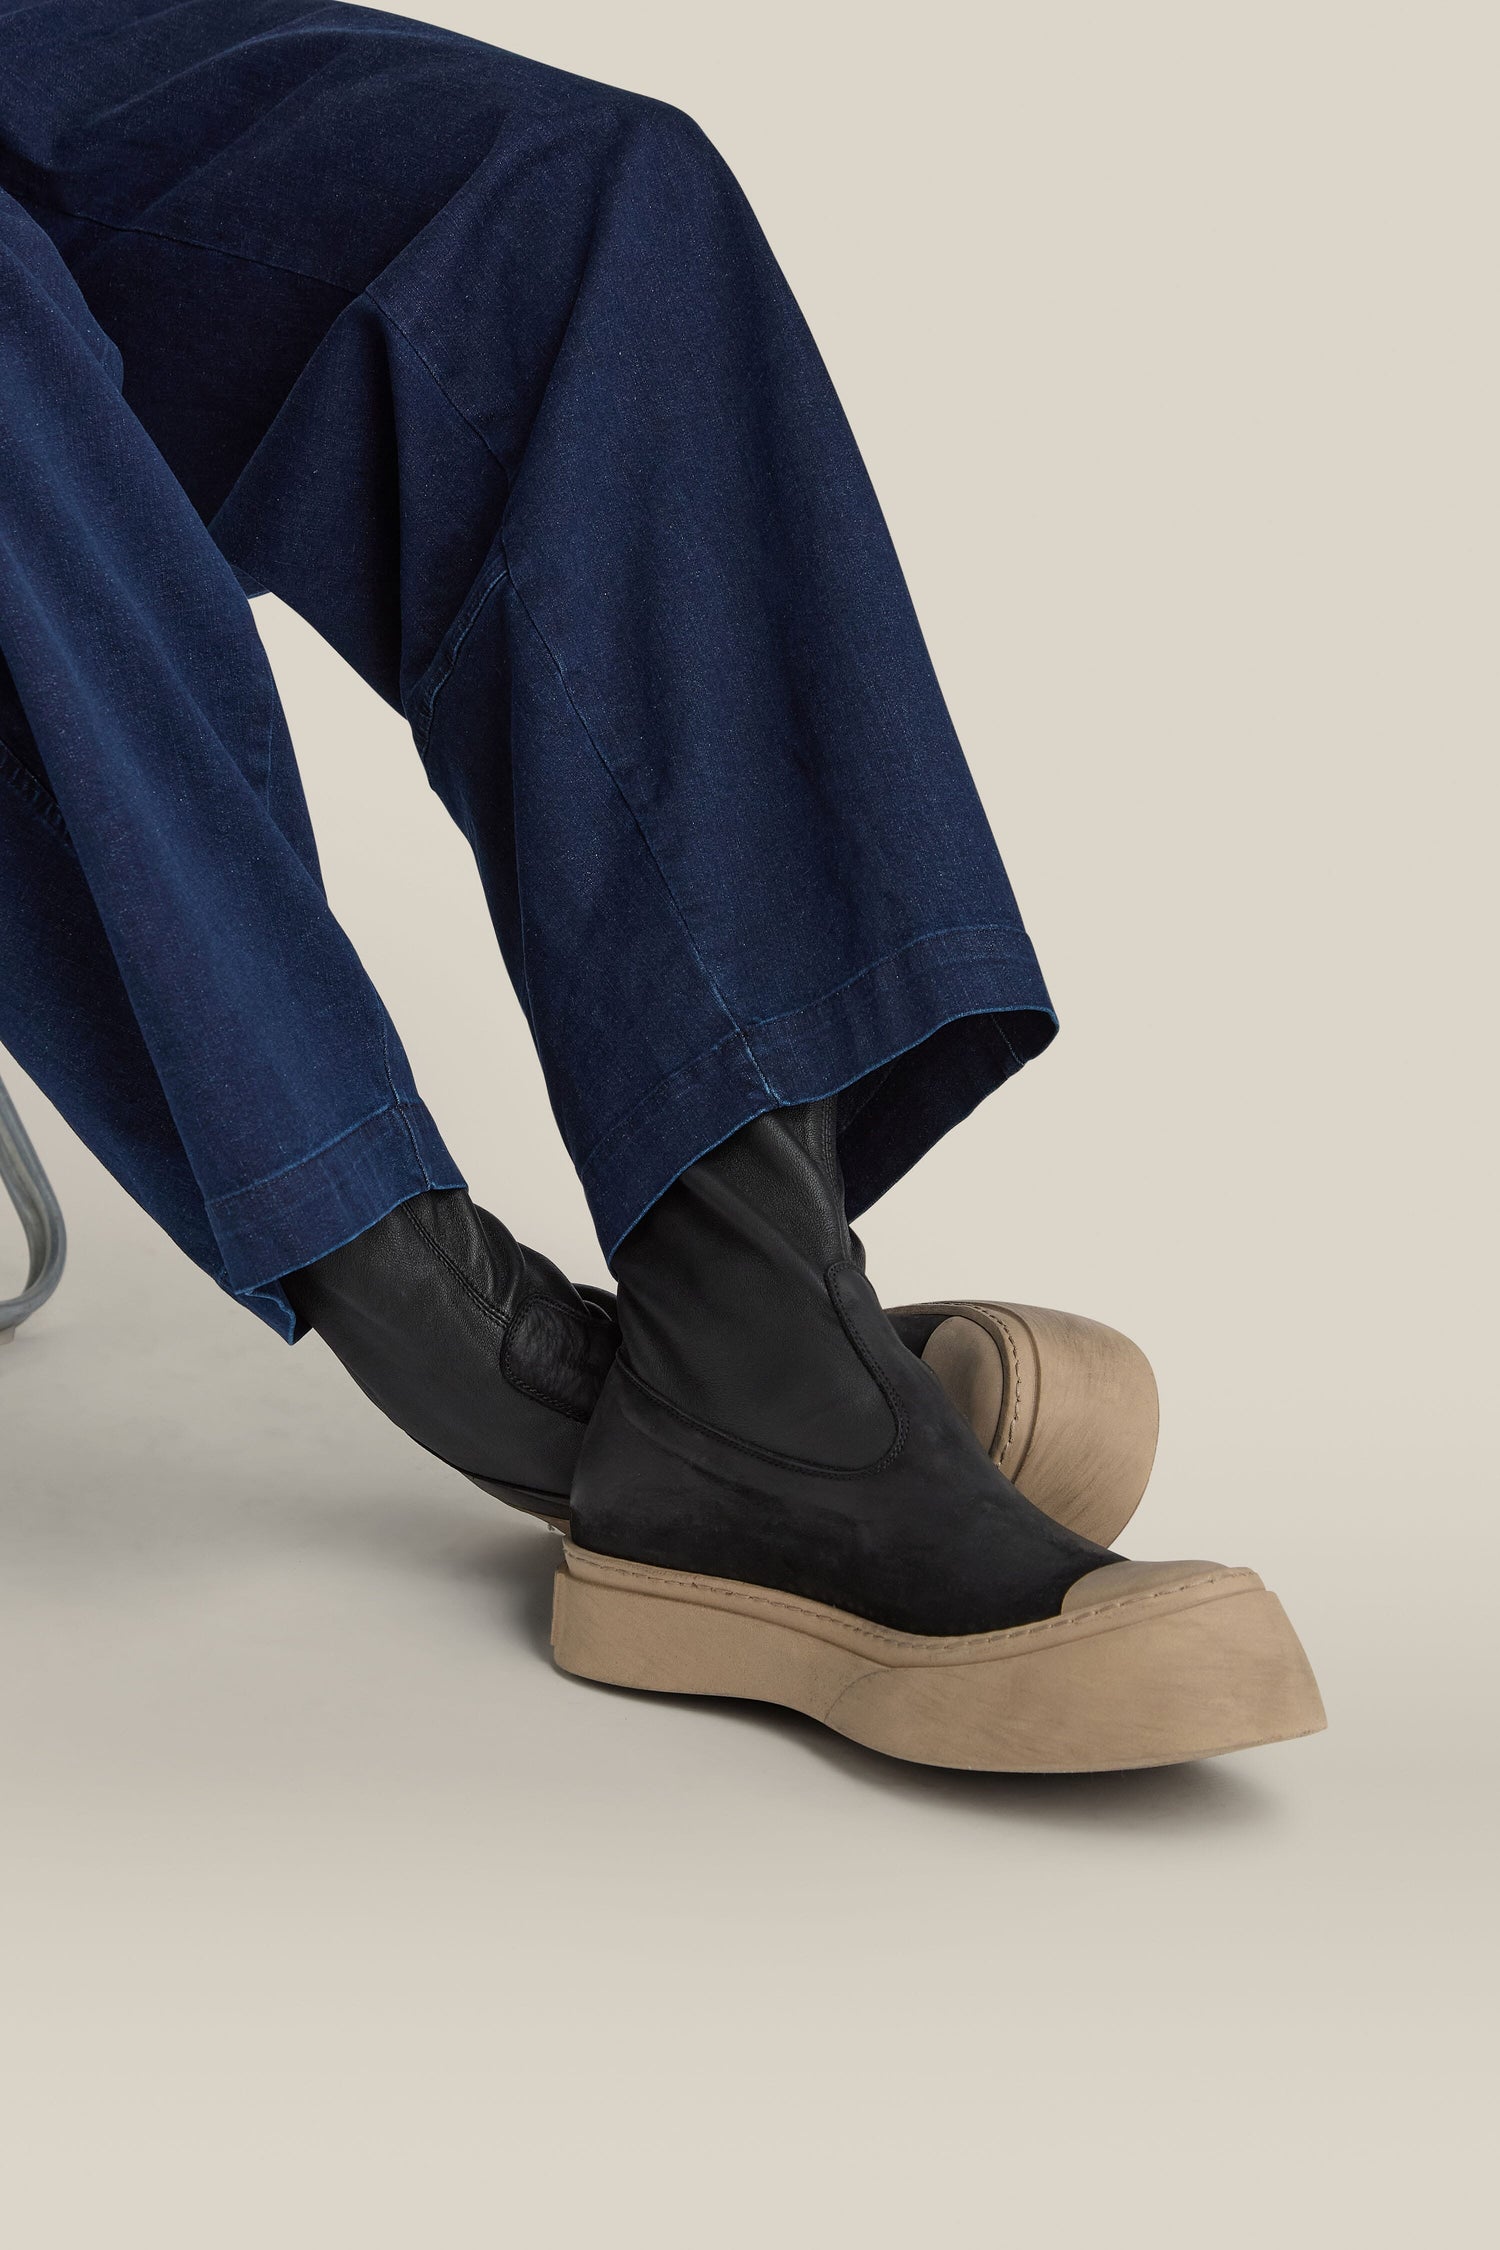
(488, 371)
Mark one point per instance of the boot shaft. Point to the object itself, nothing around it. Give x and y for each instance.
(726, 1309)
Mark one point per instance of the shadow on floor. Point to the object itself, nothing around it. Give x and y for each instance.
(503, 1566)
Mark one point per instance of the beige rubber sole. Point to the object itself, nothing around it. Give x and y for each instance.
(1065, 1407)
(1149, 1664)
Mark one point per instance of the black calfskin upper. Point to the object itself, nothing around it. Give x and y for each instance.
(764, 1422)
(477, 1347)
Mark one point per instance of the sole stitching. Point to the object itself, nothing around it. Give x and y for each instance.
(641, 1575)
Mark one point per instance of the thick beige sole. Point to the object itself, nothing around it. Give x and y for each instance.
(1065, 1407)
(1149, 1664)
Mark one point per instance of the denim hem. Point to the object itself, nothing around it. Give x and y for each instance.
(983, 986)
(323, 1201)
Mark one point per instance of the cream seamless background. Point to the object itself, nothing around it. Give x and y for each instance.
(1170, 337)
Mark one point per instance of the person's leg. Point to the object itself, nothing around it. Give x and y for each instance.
(683, 710)
(173, 975)
(490, 373)
(218, 293)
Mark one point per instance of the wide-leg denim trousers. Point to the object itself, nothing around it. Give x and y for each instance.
(488, 371)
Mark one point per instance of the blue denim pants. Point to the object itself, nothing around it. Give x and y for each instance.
(489, 372)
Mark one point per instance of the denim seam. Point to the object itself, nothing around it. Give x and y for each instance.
(385, 312)
(652, 1095)
(1008, 1044)
(191, 242)
(397, 1104)
(703, 968)
(955, 929)
(525, 991)
(309, 1156)
(38, 800)
(346, 289)
(272, 701)
(424, 697)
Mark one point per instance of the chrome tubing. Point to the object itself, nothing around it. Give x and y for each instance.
(30, 1191)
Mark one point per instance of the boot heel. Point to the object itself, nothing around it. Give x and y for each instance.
(1065, 1407)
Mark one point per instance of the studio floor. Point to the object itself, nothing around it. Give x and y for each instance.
(333, 1914)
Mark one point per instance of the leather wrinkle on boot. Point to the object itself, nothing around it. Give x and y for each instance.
(533, 1329)
(781, 1458)
(478, 1348)
(540, 1331)
(727, 1315)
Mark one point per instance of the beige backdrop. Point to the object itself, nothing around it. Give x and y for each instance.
(332, 1914)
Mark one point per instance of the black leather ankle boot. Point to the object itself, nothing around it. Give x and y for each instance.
(764, 1423)
(474, 1345)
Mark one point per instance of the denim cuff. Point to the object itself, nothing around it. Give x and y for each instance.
(273, 1226)
(938, 1025)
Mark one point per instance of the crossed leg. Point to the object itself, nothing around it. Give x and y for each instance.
(490, 373)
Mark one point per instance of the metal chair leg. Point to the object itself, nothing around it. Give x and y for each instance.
(37, 1208)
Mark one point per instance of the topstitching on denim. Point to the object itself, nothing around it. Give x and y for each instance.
(383, 1027)
(926, 937)
(435, 678)
(187, 242)
(703, 968)
(310, 1156)
(34, 797)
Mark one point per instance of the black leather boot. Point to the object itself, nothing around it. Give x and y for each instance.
(776, 1500)
(474, 1345)
(764, 1422)
(482, 1351)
